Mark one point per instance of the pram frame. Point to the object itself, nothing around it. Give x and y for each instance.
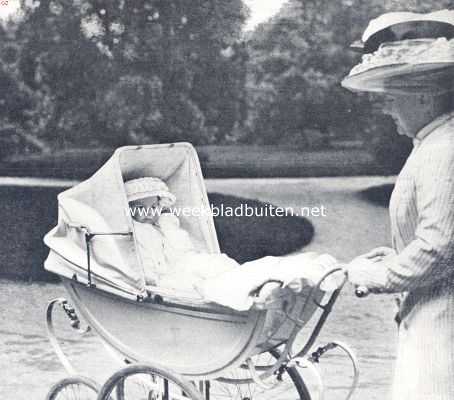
(261, 373)
(82, 289)
(155, 300)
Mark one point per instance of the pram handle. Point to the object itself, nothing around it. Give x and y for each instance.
(256, 291)
(326, 310)
(261, 294)
(362, 291)
(340, 268)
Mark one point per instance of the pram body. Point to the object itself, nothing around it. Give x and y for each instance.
(93, 251)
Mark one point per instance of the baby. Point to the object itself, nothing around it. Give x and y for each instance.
(172, 260)
(162, 243)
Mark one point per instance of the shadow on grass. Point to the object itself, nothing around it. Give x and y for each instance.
(28, 213)
(378, 195)
(247, 238)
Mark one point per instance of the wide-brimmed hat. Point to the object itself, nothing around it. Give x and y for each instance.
(406, 53)
(148, 187)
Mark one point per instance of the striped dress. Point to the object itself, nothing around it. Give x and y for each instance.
(422, 224)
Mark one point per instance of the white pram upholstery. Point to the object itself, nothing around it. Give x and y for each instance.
(100, 205)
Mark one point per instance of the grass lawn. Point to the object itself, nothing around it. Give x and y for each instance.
(272, 161)
(217, 162)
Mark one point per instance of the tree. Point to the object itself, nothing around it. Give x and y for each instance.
(105, 72)
(17, 101)
(132, 71)
(296, 63)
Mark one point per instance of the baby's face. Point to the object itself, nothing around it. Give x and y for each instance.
(146, 210)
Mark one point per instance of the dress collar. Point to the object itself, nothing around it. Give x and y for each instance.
(431, 126)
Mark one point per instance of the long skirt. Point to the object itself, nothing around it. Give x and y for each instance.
(424, 367)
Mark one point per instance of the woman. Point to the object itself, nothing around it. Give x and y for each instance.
(414, 69)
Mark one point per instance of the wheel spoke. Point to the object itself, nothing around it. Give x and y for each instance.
(74, 388)
(292, 386)
(145, 382)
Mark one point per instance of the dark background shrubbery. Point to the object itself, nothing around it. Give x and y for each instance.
(245, 238)
(101, 74)
(28, 213)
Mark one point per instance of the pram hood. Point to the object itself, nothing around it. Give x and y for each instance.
(100, 205)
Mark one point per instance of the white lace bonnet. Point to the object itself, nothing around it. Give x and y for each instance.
(148, 187)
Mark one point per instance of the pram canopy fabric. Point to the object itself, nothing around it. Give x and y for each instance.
(99, 206)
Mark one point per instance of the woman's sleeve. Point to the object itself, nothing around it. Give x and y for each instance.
(429, 257)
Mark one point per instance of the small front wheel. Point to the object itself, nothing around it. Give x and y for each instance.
(142, 381)
(74, 388)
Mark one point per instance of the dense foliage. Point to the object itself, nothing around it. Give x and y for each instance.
(83, 73)
(116, 72)
(297, 61)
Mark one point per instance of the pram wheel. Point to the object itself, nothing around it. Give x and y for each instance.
(146, 382)
(291, 386)
(74, 388)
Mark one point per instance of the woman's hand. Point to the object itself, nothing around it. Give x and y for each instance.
(367, 271)
(379, 253)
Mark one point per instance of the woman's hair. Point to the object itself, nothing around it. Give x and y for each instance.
(409, 30)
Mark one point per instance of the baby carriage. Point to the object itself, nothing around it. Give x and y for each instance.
(186, 347)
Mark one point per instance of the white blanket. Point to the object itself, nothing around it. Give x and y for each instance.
(234, 288)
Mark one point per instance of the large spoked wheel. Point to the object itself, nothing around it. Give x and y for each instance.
(146, 382)
(74, 388)
(291, 386)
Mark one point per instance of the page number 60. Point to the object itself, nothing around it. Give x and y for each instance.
(4, 2)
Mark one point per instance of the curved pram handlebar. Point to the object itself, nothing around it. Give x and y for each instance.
(286, 356)
(260, 374)
(256, 292)
(326, 309)
(360, 291)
